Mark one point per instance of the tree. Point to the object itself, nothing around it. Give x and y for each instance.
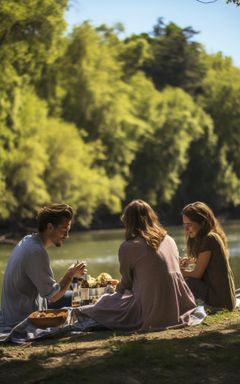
(97, 99)
(26, 158)
(156, 171)
(237, 2)
(70, 174)
(175, 60)
(49, 161)
(30, 32)
(220, 100)
(212, 174)
(135, 51)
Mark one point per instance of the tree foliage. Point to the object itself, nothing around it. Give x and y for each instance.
(42, 159)
(94, 120)
(220, 100)
(237, 2)
(163, 156)
(97, 98)
(175, 59)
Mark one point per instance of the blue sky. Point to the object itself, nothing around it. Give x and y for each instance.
(218, 23)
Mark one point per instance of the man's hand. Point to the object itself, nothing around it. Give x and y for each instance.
(77, 270)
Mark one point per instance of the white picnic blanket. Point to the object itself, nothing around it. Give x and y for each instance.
(76, 322)
(25, 331)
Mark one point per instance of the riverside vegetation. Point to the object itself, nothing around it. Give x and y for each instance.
(207, 353)
(85, 114)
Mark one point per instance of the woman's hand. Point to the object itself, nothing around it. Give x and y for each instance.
(185, 261)
(200, 267)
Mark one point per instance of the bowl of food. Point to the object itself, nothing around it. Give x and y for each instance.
(103, 278)
(114, 282)
(48, 318)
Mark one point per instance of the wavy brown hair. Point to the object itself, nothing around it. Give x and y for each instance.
(202, 214)
(141, 220)
(53, 213)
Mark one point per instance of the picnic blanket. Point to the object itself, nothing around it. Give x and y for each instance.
(76, 322)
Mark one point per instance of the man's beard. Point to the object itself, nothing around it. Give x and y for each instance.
(58, 244)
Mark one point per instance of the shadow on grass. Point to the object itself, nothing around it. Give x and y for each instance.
(211, 357)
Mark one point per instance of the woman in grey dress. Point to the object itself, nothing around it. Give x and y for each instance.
(152, 293)
(212, 279)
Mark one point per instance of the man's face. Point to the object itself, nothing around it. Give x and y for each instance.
(60, 233)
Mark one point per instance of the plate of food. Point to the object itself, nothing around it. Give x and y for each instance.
(188, 263)
(48, 318)
(104, 278)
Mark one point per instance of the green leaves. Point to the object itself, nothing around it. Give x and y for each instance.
(164, 155)
(70, 174)
(175, 60)
(94, 120)
(237, 2)
(221, 101)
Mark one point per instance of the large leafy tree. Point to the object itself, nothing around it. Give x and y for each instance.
(237, 2)
(49, 161)
(70, 174)
(111, 125)
(176, 60)
(26, 160)
(135, 52)
(97, 99)
(42, 160)
(164, 155)
(30, 38)
(30, 32)
(221, 101)
(212, 174)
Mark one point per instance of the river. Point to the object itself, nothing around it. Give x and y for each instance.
(100, 249)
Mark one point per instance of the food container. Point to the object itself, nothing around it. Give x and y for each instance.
(190, 267)
(48, 318)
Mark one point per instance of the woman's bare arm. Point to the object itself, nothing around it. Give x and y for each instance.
(200, 267)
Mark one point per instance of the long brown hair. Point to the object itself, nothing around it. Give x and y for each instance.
(202, 214)
(141, 220)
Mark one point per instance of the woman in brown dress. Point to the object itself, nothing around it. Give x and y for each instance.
(212, 279)
(152, 293)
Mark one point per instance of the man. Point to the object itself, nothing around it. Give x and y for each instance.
(28, 279)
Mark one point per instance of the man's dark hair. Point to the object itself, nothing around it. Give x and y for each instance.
(54, 214)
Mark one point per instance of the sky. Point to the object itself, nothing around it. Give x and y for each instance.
(218, 23)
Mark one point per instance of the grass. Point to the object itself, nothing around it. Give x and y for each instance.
(208, 353)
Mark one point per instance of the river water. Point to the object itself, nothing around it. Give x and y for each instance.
(100, 250)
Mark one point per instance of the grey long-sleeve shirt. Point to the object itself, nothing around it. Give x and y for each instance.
(27, 275)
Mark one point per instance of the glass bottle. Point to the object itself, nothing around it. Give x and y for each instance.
(85, 290)
(76, 298)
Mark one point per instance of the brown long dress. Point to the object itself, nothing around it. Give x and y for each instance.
(216, 288)
(152, 293)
